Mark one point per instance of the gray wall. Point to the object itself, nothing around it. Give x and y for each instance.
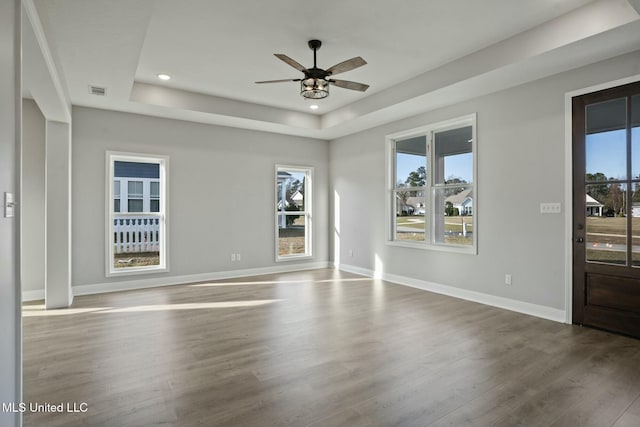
(10, 323)
(33, 199)
(521, 163)
(221, 191)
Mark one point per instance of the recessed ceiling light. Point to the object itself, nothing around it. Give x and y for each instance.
(314, 106)
(163, 76)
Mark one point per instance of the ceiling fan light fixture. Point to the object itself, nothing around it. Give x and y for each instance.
(312, 88)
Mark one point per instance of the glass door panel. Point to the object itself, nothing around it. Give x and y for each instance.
(606, 227)
(635, 176)
(606, 141)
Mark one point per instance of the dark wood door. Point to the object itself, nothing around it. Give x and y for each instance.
(606, 209)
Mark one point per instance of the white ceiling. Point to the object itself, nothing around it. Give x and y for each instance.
(421, 54)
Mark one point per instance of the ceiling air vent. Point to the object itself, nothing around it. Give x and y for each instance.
(97, 90)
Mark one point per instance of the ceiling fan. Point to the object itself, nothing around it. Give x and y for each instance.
(316, 81)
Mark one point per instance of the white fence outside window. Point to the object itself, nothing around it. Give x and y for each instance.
(136, 233)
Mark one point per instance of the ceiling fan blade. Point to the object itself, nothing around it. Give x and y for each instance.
(347, 65)
(279, 81)
(290, 61)
(350, 85)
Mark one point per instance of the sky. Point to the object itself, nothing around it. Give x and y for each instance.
(459, 166)
(606, 153)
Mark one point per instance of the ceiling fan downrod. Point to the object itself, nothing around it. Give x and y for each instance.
(314, 45)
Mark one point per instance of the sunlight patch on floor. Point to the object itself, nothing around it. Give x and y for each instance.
(40, 311)
(192, 306)
(277, 282)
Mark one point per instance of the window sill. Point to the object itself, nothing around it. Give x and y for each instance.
(136, 271)
(469, 250)
(293, 258)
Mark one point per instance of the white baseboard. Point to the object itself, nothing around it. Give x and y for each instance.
(32, 295)
(492, 300)
(99, 288)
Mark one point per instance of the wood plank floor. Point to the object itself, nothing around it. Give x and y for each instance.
(320, 348)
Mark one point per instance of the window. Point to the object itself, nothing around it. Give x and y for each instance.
(293, 212)
(431, 174)
(136, 230)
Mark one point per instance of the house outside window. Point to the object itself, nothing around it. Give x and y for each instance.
(116, 196)
(293, 212)
(135, 200)
(432, 202)
(136, 233)
(154, 196)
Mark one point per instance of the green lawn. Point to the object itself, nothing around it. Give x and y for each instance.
(611, 257)
(291, 240)
(611, 230)
(604, 231)
(416, 221)
(136, 259)
(453, 225)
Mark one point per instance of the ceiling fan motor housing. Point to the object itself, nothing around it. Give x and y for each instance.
(315, 44)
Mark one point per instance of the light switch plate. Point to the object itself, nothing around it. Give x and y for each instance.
(9, 205)
(550, 208)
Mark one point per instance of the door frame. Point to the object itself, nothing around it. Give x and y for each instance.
(568, 184)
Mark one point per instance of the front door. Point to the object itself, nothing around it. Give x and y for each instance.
(606, 215)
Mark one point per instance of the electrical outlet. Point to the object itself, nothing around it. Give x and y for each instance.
(550, 208)
(507, 279)
(237, 257)
(233, 257)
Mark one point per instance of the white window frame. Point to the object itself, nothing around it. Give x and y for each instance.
(429, 242)
(163, 161)
(308, 209)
